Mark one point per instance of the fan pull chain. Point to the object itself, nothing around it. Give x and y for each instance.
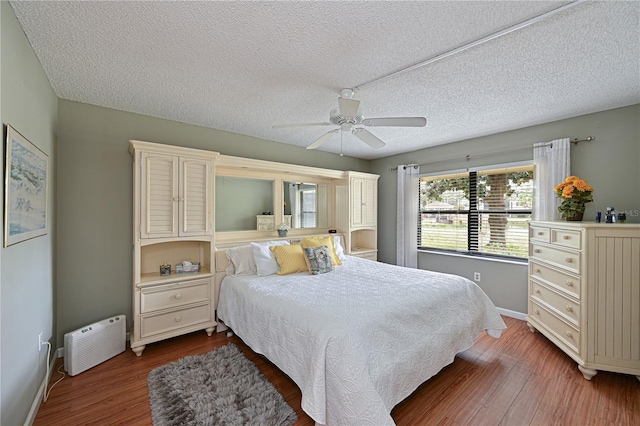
(341, 155)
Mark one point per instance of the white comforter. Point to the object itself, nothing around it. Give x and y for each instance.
(361, 338)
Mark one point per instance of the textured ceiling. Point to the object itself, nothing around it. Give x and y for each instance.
(245, 66)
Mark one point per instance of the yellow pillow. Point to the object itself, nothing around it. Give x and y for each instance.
(290, 259)
(323, 241)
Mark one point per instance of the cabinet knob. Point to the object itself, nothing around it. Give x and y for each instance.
(536, 311)
(176, 198)
(537, 290)
(178, 296)
(568, 259)
(178, 318)
(537, 271)
(569, 308)
(540, 233)
(537, 251)
(570, 283)
(568, 334)
(566, 237)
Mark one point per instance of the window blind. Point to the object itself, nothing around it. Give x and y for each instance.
(481, 212)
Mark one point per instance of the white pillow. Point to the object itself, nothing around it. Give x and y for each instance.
(338, 248)
(263, 257)
(241, 259)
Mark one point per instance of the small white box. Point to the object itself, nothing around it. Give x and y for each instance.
(93, 344)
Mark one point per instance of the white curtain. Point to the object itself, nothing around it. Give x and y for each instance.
(407, 219)
(552, 166)
(294, 200)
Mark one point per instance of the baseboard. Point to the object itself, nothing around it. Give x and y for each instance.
(512, 314)
(41, 390)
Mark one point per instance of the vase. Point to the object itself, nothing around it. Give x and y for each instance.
(282, 232)
(577, 217)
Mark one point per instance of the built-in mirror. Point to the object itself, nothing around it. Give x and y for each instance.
(239, 202)
(305, 204)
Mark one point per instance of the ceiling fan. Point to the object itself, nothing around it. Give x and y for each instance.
(348, 117)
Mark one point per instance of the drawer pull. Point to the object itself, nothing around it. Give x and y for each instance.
(566, 237)
(568, 259)
(537, 290)
(540, 233)
(537, 271)
(537, 251)
(568, 334)
(569, 283)
(178, 318)
(536, 311)
(178, 296)
(569, 308)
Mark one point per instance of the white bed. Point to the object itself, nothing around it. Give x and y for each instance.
(361, 338)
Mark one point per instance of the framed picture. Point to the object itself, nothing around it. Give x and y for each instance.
(25, 189)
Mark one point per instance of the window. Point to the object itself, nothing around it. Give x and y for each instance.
(481, 212)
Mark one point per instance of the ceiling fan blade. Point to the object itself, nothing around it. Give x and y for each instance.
(285, 126)
(322, 139)
(368, 138)
(348, 107)
(396, 121)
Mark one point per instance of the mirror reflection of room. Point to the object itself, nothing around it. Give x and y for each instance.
(300, 204)
(239, 201)
(305, 204)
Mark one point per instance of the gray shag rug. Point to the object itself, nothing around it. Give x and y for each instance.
(221, 387)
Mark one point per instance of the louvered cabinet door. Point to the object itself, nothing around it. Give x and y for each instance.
(370, 202)
(357, 199)
(194, 197)
(159, 196)
(364, 205)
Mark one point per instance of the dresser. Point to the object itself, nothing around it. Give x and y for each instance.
(267, 222)
(584, 292)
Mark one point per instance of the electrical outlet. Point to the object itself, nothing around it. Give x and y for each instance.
(477, 277)
(39, 341)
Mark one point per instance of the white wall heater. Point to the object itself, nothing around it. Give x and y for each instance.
(88, 346)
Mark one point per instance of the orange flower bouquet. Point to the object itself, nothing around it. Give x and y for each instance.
(575, 193)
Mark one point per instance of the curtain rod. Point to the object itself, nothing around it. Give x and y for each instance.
(488, 154)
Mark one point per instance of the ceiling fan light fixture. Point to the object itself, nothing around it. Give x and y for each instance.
(347, 93)
(348, 117)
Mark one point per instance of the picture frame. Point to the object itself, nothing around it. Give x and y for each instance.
(26, 190)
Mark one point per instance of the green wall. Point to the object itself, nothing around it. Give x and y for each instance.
(27, 289)
(95, 195)
(611, 164)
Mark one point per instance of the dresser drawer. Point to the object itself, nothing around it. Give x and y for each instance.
(174, 295)
(566, 238)
(567, 259)
(173, 320)
(369, 255)
(539, 233)
(563, 306)
(562, 330)
(568, 283)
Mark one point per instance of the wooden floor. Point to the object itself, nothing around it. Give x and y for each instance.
(519, 379)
